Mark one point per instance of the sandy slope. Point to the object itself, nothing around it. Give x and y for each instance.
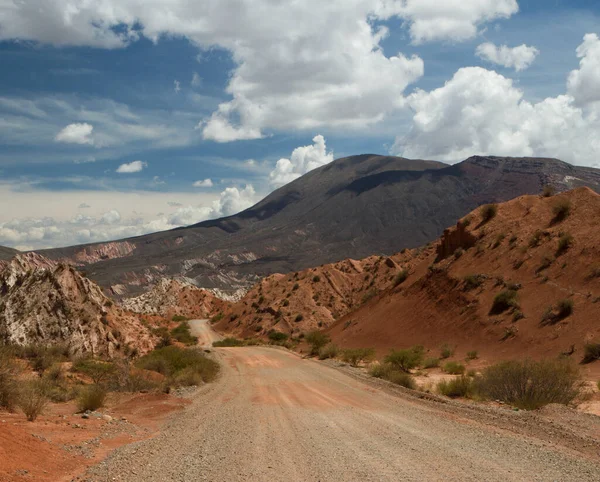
(275, 416)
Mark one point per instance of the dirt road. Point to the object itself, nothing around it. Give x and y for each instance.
(274, 416)
(205, 334)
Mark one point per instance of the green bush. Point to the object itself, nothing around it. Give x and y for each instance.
(407, 359)
(316, 279)
(299, 318)
(401, 378)
(401, 277)
(9, 371)
(317, 340)
(98, 371)
(488, 212)
(218, 317)
(431, 363)
(473, 281)
(531, 384)
(183, 334)
(503, 301)
(446, 351)
(561, 210)
(278, 336)
(228, 342)
(591, 352)
(454, 368)
(32, 399)
(472, 355)
(171, 361)
(91, 397)
(355, 356)
(178, 318)
(328, 351)
(378, 370)
(457, 387)
(565, 308)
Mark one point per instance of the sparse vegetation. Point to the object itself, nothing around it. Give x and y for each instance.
(503, 301)
(563, 309)
(401, 277)
(277, 336)
(431, 362)
(457, 387)
(328, 351)
(32, 399)
(356, 356)
(91, 397)
(98, 371)
(498, 240)
(407, 359)
(317, 340)
(316, 279)
(299, 318)
(183, 334)
(473, 281)
(509, 332)
(548, 191)
(564, 243)
(458, 253)
(472, 355)
(454, 368)
(488, 212)
(179, 318)
(9, 372)
(544, 264)
(446, 351)
(531, 384)
(536, 239)
(218, 317)
(591, 352)
(387, 372)
(228, 342)
(561, 210)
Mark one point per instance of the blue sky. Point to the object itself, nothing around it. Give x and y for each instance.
(118, 118)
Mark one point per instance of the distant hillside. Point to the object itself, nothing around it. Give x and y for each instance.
(351, 208)
(7, 253)
(544, 261)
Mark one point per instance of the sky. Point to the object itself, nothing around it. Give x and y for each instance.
(123, 117)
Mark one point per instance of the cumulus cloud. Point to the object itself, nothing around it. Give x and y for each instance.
(78, 133)
(583, 84)
(456, 20)
(481, 112)
(111, 217)
(518, 58)
(135, 166)
(203, 183)
(302, 160)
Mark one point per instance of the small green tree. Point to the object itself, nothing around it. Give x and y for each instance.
(317, 340)
(406, 359)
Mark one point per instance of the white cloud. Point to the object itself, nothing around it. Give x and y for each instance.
(302, 160)
(203, 183)
(78, 133)
(84, 206)
(233, 200)
(157, 181)
(196, 80)
(481, 112)
(518, 58)
(177, 86)
(135, 166)
(583, 84)
(111, 217)
(456, 20)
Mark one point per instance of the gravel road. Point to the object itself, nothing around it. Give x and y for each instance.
(273, 416)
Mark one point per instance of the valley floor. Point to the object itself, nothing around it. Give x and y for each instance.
(275, 416)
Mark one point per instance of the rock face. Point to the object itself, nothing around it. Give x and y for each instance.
(351, 208)
(44, 302)
(170, 297)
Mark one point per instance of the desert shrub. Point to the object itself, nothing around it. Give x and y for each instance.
(454, 368)
(591, 352)
(9, 372)
(472, 355)
(544, 264)
(171, 361)
(473, 281)
(286, 302)
(378, 370)
(503, 301)
(536, 238)
(98, 371)
(55, 384)
(458, 253)
(296, 286)
(317, 340)
(531, 384)
(446, 351)
(91, 397)
(32, 399)
(218, 317)
(517, 315)
(316, 279)
(43, 357)
(183, 334)
(594, 272)
(278, 336)
(431, 363)
(228, 342)
(561, 210)
(488, 212)
(355, 356)
(401, 378)
(400, 277)
(564, 308)
(407, 359)
(457, 387)
(299, 318)
(178, 318)
(509, 332)
(328, 351)
(564, 243)
(498, 240)
(548, 191)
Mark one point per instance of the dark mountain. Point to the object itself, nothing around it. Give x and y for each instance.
(350, 208)
(7, 253)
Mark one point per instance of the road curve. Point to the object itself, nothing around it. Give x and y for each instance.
(273, 416)
(206, 335)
